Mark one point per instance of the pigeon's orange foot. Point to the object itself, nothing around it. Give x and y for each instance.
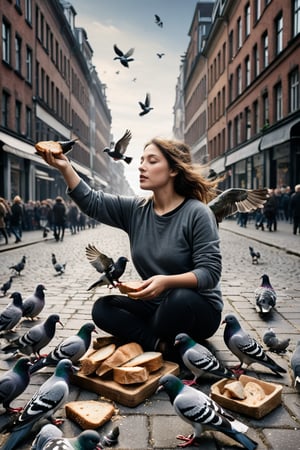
(189, 382)
(237, 370)
(14, 410)
(188, 440)
(57, 421)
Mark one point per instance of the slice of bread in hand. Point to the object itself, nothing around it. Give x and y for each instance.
(130, 286)
(89, 414)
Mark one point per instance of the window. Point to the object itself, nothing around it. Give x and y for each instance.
(296, 15)
(257, 9)
(256, 117)
(5, 109)
(239, 80)
(6, 41)
(265, 42)
(247, 72)
(28, 65)
(237, 130)
(28, 123)
(239, 33)
(294, 91)
(279, 34)
(255, 61)
(247, 123)
(28, 11)
(18, 113)
(247, 20)
(18, 48)
(230, 137)
(278, 102)
(230, 87)
(230, 43)
(265, 100)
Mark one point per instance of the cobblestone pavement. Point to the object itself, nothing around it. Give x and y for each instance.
(153, 424)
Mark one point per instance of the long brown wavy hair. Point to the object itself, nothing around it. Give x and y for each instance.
(189, 181)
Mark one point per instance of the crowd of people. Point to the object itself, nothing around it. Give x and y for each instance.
(49, 216)
(283, 204)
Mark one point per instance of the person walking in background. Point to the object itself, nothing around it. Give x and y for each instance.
(295, 209)
(59, 218)
(3, 212)
(175, 247)
(270, 211)
(73, 215)
(16, 218)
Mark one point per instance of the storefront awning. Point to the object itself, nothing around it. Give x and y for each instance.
(218, 165)
(278, 136)
(43, 175)
(19, 148)
(242, 153)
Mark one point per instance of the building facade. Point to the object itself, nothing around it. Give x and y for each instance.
(49, 90)
(251, 99)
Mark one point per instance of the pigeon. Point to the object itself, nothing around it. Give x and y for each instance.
(160, 55)
(146, 108)
(158, 21)
(59, 268)
(212, 175)
(124, 58)
(33, 305)
(19, 267)
(73, 348)
(111, 271)
(295, 366)
(36, 338)
(44, 403)
(118, 152)
(265, 296)
(51, 437)
(254, 255)
(12, 314)
(273, 343)
(14, 382)
(245, 347)
(111, 438)
(237, 199)
(199, 360)
(55, 147)
(203, 413)
(6, 286)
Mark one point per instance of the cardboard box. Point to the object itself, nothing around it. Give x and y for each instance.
(258, 410)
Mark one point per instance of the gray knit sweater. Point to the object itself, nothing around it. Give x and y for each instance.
(186, 240)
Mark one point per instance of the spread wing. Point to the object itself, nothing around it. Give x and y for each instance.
(241, 200)
(122, 143)
(99, 260)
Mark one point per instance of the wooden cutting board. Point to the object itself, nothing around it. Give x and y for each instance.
(131, 395)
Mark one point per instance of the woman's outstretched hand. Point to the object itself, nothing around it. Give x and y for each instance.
(152, 288)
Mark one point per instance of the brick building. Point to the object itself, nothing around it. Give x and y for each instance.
(49, 90)
(250, 101)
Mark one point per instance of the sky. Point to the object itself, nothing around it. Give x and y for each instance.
(131, 24)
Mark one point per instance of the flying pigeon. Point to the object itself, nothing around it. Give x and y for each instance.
(146, 108)
(124, 58)
(111, 271)
(236, 199)
(19, 266)
(199, 360)
(245, 347)
(273, 343)
(56, 147)
(158, 21)
(36, 338)
(295, 366)
(254, 255)
(73, 348)
(203, 413)
(265, 296)
(6, 286)
(12, 313)
(160, 55)
(33, 305)
(51, 437)
(59, 268)
(118, 152)
(14, 382)
(44, 403)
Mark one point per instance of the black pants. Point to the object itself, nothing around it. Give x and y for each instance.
(146, 321)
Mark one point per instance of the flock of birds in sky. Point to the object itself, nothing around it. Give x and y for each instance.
(126, 57)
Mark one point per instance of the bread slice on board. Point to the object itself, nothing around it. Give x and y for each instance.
(152, 361)
(89, 414)
(130, 375)
(123, 354)
(92, 361)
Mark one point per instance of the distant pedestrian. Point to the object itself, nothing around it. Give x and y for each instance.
(295, 209)
(270, 211)
(16, 218)
(3, 212)
(59, 218)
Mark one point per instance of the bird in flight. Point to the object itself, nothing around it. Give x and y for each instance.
(160, 55)
(124, 58)
(146, 108)
(158, 21)
(118, 151)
